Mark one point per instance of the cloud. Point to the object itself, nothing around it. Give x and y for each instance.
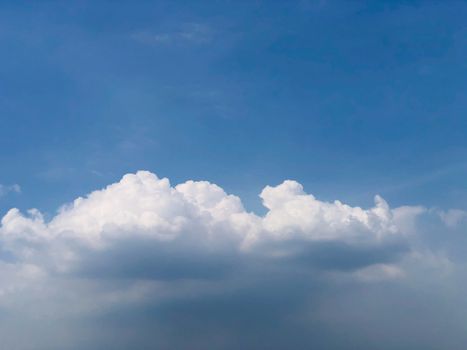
(4, 190)
(141, 259)
(293, 212)
(453, 217)
(188, 33)
(379, 272)
(143, 228)
(201, 218)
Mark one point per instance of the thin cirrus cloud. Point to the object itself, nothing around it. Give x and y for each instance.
(188, 33)
(4, 189)
(144, 255)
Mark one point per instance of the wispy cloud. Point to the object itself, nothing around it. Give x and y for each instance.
(188, 33)
(4, 190)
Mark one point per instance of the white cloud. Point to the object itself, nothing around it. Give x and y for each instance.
(143, 205)
(293, 212)
(142, 227)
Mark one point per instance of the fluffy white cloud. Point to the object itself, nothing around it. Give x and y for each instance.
(143, 228)
(293, 212)
(143, 205)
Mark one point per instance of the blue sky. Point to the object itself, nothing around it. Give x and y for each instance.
(348, 98)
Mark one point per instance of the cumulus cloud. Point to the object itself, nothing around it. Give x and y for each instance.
(141, 204)
(144, 254)
(199, 215)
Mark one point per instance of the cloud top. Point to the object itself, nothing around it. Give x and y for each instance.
(144, 205)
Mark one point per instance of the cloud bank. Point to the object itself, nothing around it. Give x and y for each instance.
(145, 261)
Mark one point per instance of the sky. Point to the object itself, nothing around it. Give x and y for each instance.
(233, 174)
